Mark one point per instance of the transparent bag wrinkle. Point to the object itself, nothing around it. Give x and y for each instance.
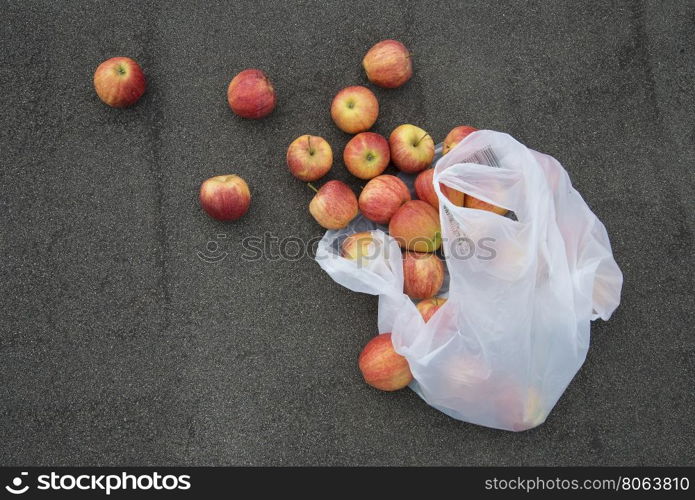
(522, 288)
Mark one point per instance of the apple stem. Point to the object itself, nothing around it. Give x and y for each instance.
(421, 138)
(312, 187)
(308, 140)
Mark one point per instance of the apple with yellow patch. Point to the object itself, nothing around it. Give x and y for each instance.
(382, 197)
(456, 135)
(355, 109)
(382, 367)
(424, 188)
(366, 155)
(309, 157)
(415, 226)
(357, 246)
(334, 205)
(423, 275)
(225, 197)
(388, 64)
(428, 307)
(412, 149)
(119, 82)
(251, 94)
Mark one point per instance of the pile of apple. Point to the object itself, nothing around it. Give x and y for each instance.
(385, 199)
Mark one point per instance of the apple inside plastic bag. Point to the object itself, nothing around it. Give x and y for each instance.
(522, 289)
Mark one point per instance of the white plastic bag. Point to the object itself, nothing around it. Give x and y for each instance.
(521, 293)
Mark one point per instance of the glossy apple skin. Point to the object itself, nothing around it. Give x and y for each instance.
(388, 64)
(412, 149)
(225, 197)
(424, 187)
(428, 307)
(366, 155)
(119, 82)
(357, 246)
(382, 197)
(309, 157)
(472, 202)
(355, 109)
(382, 367)
(334, 205)
(415, 226)
(423, 275)
(456, 135)
(251, 94)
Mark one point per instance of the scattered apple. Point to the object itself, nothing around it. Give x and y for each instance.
(423, 274)
(334, 205)
(309, 157)
(225, 197)
(388, 64)
(354, 109)
(456, 135)
(366, 155)
(357, 246)
(424, 187)
(412, 149)
(473, 202)
(119, 82)
(415, 226)
(382, 367)
(251, 95)
(382, 197)
(430, 306)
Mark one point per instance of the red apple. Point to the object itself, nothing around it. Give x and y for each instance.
(309, 157)
(366, 155)
(382, 367)
(472, 202)
(424, 187)
(412, 149)
(388, 64)
(334, 205)
(430, 306)
(251, 95)
(225, 197)
(357, 246)
(423, 274)
(354, 109)
(456, 135)
(382, 197)
(119, 82)
(415, 226)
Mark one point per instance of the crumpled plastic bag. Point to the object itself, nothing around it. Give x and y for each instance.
(522, 289)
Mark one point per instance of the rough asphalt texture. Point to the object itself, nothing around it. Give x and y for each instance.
(119, 345)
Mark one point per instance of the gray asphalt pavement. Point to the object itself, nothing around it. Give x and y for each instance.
(119, 345)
